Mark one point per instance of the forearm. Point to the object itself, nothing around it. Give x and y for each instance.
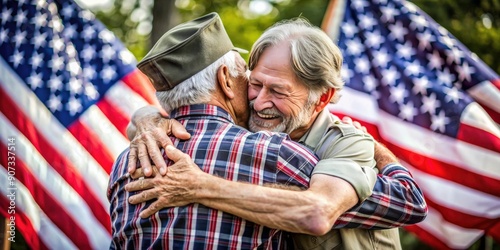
(383, 156)
(293, 211)
(396, 201)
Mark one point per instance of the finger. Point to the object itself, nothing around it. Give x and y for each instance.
(357, 125)
(137, 174)
(155, 153)
(155, 171)
(143, 196)
(140, 173)
(144, 159)
(175, 154)
(363, 128)
(153, 208)
(347, 119)
(139, 185)
(178, 130)
(163, 141)
(160, 134)
(132, 160)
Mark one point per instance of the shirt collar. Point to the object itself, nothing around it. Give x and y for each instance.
(318, 129)
(201, 110)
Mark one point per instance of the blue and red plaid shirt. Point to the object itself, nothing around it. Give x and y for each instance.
(396, 201)
(216, 142)
(218, 147)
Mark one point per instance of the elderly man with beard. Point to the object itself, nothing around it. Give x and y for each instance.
(295, 73)
(201, 81)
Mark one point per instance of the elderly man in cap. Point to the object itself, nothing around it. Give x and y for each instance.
(200, 81)
(280, 78)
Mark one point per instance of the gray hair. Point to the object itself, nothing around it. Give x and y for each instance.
(315, 59)
(198, 88)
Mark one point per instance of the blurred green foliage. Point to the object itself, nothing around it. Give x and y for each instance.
(119, 20)
(474, 23)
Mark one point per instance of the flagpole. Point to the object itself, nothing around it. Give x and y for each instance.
(333, 17)
(3, 233)
(328, 15)
(485, 242)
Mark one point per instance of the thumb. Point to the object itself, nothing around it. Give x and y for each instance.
(178, 130)
(173, 153)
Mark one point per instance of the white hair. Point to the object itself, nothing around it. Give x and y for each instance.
(198, 88)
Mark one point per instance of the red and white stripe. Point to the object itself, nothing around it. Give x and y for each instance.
(30, 216)
(62, 174)
(487, 95)
(460, 178)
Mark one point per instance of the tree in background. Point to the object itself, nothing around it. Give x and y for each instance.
(475, 23)
(139, 25)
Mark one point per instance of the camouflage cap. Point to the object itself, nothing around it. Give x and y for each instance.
(185, 50)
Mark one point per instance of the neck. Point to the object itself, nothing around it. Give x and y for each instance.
(226, 105)
(301, 131)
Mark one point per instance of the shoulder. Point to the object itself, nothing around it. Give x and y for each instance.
(344, 130)
(274, 146)
(285, 147)
(346, 137)
(333, 129)
(272, 139)
(119, 168)
(118, 174)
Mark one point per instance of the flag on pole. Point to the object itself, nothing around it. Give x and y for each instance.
(68, 88)
(435, 104)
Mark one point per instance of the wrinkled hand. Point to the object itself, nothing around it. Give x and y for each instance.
(177, 188)
(151, 134)
(348, 120)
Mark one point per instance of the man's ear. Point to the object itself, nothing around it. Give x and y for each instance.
(225, 81)
(325, 99)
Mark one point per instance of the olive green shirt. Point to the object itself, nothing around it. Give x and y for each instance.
(346, 153)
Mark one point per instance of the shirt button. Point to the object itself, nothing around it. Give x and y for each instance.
(314, 240)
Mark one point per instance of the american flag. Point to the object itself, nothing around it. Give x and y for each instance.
(68, 88)
(435, 104)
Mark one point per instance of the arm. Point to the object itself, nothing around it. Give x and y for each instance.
(311, 211)
(148, 132)
(396, 200)
(320, 205)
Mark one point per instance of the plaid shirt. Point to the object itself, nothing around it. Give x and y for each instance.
(221, 148)
(396, 201)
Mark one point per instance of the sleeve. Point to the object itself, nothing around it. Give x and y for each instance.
(118, 171)
(117, 199)
(396, 201)
(348, 154)
(295, 164)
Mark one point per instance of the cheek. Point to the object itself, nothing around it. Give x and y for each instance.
(289, 107)
(252, 93)
(283, 107)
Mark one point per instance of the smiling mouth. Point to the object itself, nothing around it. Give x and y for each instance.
(266, 116)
